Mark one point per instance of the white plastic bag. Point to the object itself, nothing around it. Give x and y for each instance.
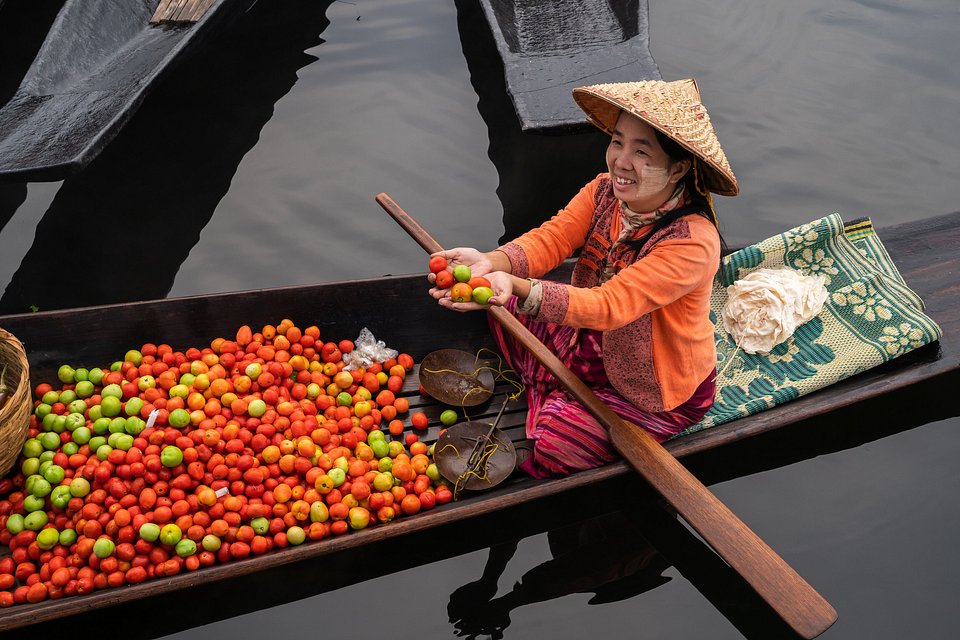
(366, 351)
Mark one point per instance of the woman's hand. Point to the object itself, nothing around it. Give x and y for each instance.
(503, 284)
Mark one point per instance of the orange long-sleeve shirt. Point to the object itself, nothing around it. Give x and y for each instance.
(672, 283)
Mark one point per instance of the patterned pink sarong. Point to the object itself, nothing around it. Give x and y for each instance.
(565, 436)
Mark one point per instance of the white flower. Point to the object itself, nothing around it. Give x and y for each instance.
(816, 262)
(901, 338)
(766, 306)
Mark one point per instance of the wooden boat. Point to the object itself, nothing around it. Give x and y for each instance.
(548, 47)
(924, 251)
(97, 64)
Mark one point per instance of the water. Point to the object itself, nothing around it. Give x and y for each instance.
(258, 165)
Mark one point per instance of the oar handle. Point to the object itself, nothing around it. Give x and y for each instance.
(800, 606)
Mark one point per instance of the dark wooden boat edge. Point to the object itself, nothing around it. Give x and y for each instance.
(922, 250)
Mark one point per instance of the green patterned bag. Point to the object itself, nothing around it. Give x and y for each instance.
(870, 316)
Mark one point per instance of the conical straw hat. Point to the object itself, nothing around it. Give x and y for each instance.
(673, 108)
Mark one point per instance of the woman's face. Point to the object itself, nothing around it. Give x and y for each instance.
(642, 173)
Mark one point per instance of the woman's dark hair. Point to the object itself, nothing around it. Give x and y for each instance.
(697, 202)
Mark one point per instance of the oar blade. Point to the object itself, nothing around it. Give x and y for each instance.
(776, 582)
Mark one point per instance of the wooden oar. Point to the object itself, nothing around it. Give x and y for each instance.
(794, 600)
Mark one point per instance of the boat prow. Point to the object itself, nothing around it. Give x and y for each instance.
(549, 47)
(97, 64)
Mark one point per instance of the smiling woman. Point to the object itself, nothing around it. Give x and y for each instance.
(634, 322)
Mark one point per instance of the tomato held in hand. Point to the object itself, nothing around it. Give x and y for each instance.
(438, 264)
(445, 279)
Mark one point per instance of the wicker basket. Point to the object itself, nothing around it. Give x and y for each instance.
(15, 414)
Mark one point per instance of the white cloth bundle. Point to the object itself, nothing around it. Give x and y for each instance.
(766, 306)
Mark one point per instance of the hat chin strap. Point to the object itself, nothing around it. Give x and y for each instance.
(700, 184)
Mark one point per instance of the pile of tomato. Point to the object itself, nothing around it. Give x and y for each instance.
(170, 461)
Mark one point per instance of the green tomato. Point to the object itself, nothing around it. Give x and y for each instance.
(35, 520)
(79, 487)
(179, 391)
(81, 375)
(85, 389)
(15, 523)
(211, 543)
(95, 412)
(48, 421)
(42, 411)
(70, 448)
(179, 418)
(118, 425)
(449, 417)
(296, 535)
(101, 426)
(47, 456)
(150, 531)
(124, 441)
(337, 475)
(32, 448)
(50, 397)
(96, 375)
(462, 273)
(380, 448)
(116, 366)
(103, 548)
(112, 391)
(77, 406)
(133, 356)
(187, 379)
(344, 399)
(103, 451)
(482, 295)
(134, 425)
(48, 538)
(40, 487)
(253, 370)
(133, 406)
(319, 512)
(81, 435)
(146, 382)
(67, 396)
(59, 424)
(68, 537)
(74, 421)
(186, 547)
(110, 406)
(54, 474)
(30, 466)
(256, 408)
(170, 534)
(60, 496)
(65, 374)
(96, 442)
(171, 456)
(260, 525)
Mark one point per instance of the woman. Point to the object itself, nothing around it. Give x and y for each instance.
(634, 322)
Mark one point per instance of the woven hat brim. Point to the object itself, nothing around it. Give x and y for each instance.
(603, 112)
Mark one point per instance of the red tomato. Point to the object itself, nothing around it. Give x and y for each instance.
(437, 264)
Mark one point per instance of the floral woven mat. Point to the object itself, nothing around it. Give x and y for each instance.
(870, 316)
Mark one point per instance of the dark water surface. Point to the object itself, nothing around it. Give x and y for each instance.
(256, 166)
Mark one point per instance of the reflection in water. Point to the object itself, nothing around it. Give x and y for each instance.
(606, 555)
(538, 174)
(23, 27)
(101, 240)
(11, 197)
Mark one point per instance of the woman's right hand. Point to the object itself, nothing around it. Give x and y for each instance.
(478, 262)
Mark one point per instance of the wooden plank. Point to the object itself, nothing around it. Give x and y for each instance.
(180, 11)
